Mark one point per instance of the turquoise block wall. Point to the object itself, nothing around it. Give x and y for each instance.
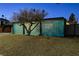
(49, 28)
(53, 28)
(17, 29)
(35, 32)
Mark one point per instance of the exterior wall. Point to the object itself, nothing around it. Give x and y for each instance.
(53, 28)
(35, 31)
(17, 29)
(49, 28)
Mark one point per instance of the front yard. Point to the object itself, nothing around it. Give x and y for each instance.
(19, 45)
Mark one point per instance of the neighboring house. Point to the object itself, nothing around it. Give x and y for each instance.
(50, 27)
(5, 25)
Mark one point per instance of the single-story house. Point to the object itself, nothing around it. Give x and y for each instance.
(50, 27)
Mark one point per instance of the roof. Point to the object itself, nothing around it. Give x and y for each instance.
(56, 18)
(2, 19)
(7, 21)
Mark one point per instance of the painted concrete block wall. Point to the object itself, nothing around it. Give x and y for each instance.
(49, 28)
(35, 32)
(17, 29)
(53, 28)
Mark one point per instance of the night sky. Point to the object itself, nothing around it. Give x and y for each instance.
(53, 9)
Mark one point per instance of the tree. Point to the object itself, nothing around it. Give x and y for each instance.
(29, 19)
(72, 19)
(2, 15)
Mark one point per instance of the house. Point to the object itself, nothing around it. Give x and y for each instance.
(5, 25)
(50, 27)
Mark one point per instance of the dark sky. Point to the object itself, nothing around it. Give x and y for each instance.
(53, 9)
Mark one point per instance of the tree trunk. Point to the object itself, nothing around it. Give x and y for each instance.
(29, 33)
(23, 30)
(40, 28)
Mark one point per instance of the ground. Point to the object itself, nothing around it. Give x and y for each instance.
(19, 45)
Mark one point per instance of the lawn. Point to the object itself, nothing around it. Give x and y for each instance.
(19, 45)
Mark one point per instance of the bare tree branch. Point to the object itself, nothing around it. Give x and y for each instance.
(29, 16)
(34, 27)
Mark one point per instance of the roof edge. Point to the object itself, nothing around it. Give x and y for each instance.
(56, 18)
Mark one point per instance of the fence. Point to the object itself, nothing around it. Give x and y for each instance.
(5, 29)
(72, 30)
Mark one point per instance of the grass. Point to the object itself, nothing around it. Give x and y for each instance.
(19, 45)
